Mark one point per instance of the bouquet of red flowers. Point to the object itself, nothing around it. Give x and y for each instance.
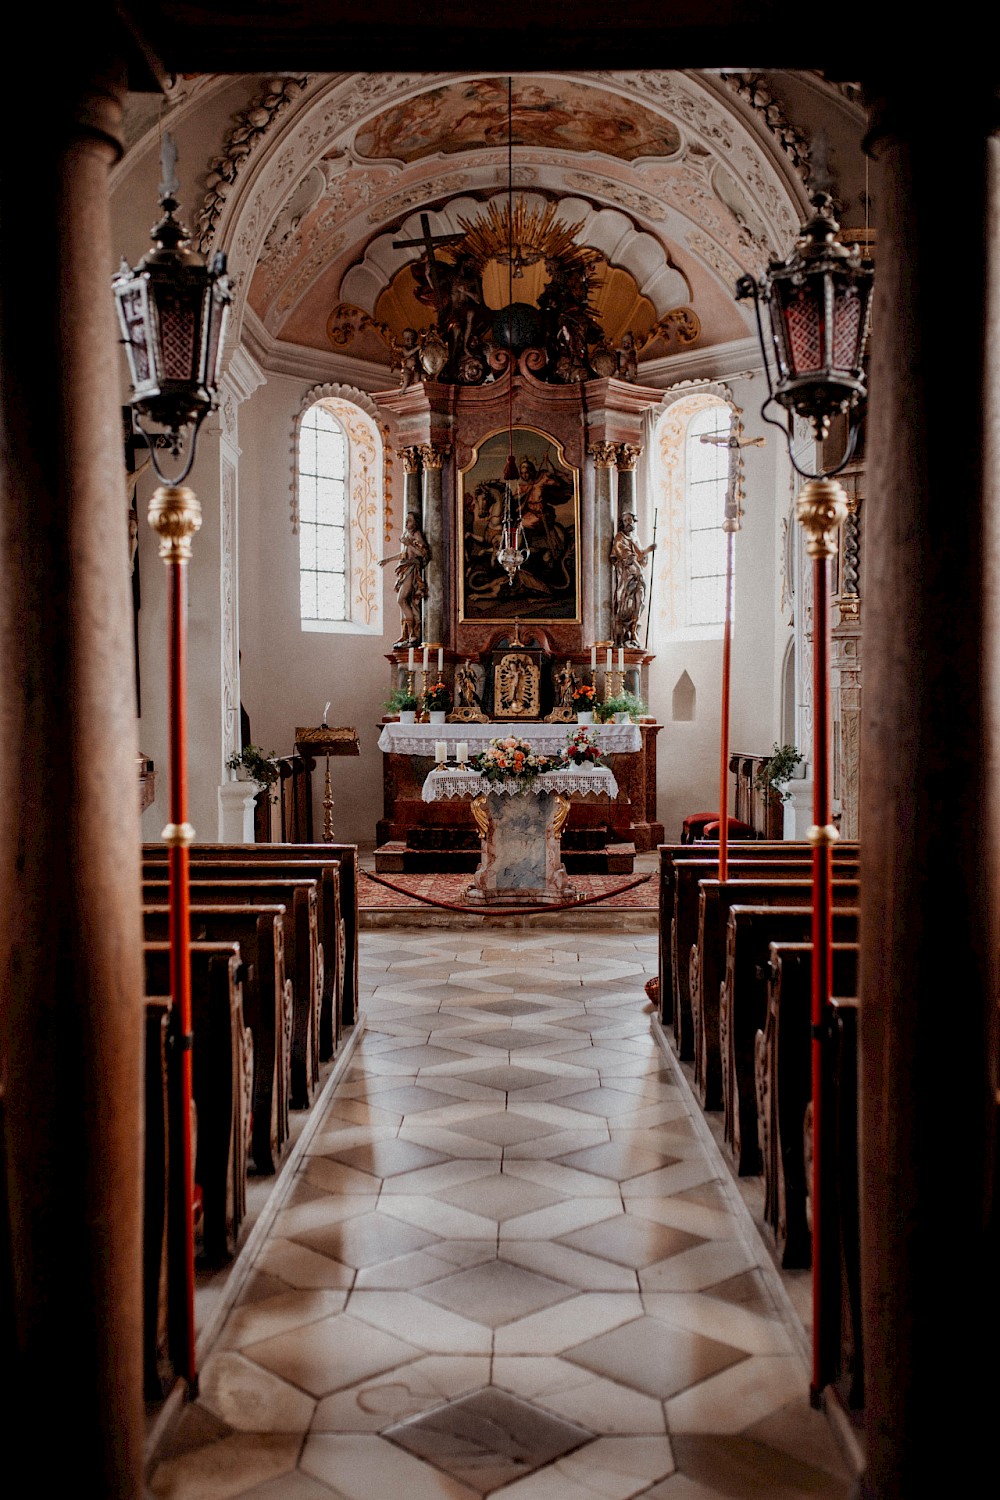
(583, 748)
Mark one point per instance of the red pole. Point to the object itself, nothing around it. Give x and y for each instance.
(727, 636)
(175, 514)
(822, 508)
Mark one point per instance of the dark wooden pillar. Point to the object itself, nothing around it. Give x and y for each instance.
(930, 897)
(70, 952)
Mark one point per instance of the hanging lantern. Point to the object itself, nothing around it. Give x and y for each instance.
(818, 301)
(512, 552)
(173, 309)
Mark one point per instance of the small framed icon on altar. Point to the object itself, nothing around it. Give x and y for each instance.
(517, 686)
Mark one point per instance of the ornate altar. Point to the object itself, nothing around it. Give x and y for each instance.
(518, 431)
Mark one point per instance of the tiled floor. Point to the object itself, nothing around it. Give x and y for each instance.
(510, 1263)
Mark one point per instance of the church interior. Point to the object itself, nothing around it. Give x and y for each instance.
(493, 453)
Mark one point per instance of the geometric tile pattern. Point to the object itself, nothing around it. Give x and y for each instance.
(510, 1264)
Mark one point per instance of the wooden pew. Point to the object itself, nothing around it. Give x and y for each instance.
(222, 1084)
(783, 1072)
(267, 1006)
(162, 1327)
(330, 918)
(708, 956)
(673, 975)
(785, 863)
(346, 855)
(303, 957)
(743, 1009)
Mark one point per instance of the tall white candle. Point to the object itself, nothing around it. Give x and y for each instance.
(607, 661)
(425, 658)
(409, 659)
(462, 752)
(593, 658)
(440, 751)
(440, 659)
(621, 659)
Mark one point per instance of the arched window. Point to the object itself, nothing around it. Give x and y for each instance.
(705, 486)
(336, 511)
(689, 482)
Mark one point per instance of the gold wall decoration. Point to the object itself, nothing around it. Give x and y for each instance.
(517, 687)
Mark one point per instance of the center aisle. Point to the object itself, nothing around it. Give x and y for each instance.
(510, 1265)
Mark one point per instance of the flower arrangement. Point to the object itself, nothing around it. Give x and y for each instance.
(583, 748)
(437, 698)
(583, 697)
(510, 759)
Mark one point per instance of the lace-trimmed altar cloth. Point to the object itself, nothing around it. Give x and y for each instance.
(546, 739)
(572, 781)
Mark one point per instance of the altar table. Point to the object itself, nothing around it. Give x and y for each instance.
(520, 827)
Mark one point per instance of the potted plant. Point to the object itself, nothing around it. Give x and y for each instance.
(251, 764)
(621, 708)
(437, 702)
(773, 775)
(583, 702)
(403, 703)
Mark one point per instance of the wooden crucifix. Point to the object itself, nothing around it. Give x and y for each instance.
(428, 243)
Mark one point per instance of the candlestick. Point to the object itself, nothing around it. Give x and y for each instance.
(440, 660)
(462, 752)
(441, 753)
(409, 660)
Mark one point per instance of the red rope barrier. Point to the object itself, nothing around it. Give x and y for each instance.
(508, 911)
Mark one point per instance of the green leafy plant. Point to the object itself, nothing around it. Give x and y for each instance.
(260, 767)
(772, 774)
(401, 701)
(437, 698)
(620, 703)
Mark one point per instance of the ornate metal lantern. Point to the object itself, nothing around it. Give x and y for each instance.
(512, 552)
(173, 309)
(818, 301)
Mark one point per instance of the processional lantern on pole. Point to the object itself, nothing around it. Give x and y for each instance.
(818, 302)
(173, 309)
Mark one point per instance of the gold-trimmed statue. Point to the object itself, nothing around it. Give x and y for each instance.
(628, 592)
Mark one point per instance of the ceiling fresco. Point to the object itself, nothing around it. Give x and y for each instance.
(559, 115)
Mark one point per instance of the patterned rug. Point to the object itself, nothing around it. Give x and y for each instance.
(605, 892)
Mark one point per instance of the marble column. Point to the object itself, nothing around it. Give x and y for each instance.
(626, 458)
(929, 804)
(433, 511)
(605, 457)
(72, 971)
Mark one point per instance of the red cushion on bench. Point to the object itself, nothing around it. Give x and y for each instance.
(694, 823)
(737, 830)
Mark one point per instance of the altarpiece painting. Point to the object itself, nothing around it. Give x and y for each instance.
(547, 493)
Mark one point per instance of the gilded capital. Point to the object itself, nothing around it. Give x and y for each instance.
(627, 457)
(433, 456)
(175, 515)
(411, 460)
(822, 509)
(604, 454)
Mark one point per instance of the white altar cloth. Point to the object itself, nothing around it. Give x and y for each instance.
(572, 781)
(546, 739)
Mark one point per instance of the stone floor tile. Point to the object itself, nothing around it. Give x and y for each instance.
(249, 1398)
(732, 1399)
(250, 1322)
(226, 1469)
(579, 1394)
(375, 1404)
(740, 1467)
(559, 1328)
(364, 1467)
(433, 1328)
(365, 1240)
(301, 1267)
(644, 1355)
(332, 1354)
(560, 1263)
(496, 1292)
